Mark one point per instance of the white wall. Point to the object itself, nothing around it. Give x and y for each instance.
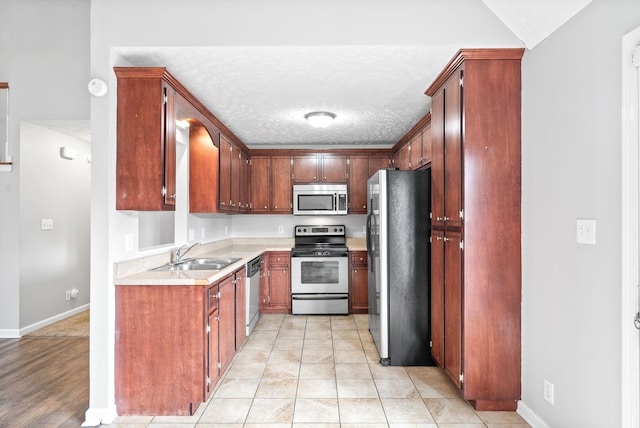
(52, 261)
(571, 169)
(44, 49)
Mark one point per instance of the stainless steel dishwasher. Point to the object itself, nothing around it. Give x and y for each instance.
(253, 293)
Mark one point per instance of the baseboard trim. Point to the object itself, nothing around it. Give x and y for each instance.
(96, 417)
(530, 416)
(9, 334)
(51, 320)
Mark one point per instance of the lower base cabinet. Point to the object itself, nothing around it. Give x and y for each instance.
(168, 356)
(275, 283)
(358, 283)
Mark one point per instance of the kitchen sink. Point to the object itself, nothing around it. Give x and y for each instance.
(199, 264)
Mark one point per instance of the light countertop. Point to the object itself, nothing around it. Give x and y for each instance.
(137, 271)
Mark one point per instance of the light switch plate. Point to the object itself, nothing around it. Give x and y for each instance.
(46, 224)
(586, 231)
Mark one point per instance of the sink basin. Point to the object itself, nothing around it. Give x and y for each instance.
(199, 264)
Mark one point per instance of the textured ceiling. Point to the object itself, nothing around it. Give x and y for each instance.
(263, 93)
(377, 92)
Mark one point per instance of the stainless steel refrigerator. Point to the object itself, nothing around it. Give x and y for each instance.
(398, 231)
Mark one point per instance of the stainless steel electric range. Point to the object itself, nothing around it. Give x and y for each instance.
(320, 270)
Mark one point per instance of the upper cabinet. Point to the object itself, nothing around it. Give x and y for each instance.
(146, 155)
(271, 184)
(233, 177)
(320, 168)
(413, 151)
(150, 104)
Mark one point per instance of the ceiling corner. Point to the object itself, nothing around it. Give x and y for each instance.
(532, 21)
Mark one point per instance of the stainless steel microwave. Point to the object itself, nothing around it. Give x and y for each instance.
(320, 199)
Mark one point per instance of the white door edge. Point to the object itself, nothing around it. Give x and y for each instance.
(630, 372)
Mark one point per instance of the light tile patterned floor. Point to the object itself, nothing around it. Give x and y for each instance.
(323, 372)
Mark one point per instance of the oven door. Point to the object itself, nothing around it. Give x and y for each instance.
(319, 275)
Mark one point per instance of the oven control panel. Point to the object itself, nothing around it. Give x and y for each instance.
(329, 230)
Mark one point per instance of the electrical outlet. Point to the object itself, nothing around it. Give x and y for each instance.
(548, 391)
(191, 235)
(67, 295)
(586, 231)
(280, 229)
(46, 224)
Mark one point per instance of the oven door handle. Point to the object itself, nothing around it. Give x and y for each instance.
(319, 296)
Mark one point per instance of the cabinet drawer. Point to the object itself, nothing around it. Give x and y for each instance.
(279, 259)
(212, 297)
(358, 258)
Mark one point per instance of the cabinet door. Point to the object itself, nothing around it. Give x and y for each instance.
(225, 173)
(453, 306)
(226, 309)
(236, 162)
(245, 177)
(260, 179)
(279, 288)
(453, 151)
(203, 174)
(358, 285)
(264, 285)
(426, 145)
(281, 184)
(403, 157)
(145, 166)
(212, 352)
(305, 169)
(437, 159)
(376, 163)
(358, 175)
(437, 296)
(241, 307)
(415, 152)
(169, 127)
(334, 169)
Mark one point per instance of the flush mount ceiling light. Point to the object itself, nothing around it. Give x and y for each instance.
(320, 119)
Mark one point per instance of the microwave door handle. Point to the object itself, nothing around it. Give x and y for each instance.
(335, 202)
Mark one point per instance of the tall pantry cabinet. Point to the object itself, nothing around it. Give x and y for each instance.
(476, 257)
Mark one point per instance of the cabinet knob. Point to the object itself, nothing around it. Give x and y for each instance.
(173, 196)
(445, 218)
(439, 218)
(364, 207)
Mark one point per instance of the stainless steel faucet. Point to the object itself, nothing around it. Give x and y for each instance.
(176, 255)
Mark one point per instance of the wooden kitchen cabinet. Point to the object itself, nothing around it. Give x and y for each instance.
(169, 356)
(275, 283)
(146, 140)
(358, 283)
(225, 173)
(241, 307)
(271, 190)
(280, 182)
(358, 176)
(360, 169)
(226, 322)
(320, 168)
(160, 349)
(260, 184)
(475, 244)
(212, 342)
(203, 171)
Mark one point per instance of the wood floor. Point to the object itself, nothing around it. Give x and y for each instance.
(44, 381)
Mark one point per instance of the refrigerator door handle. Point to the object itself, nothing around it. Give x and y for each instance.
(369, 250)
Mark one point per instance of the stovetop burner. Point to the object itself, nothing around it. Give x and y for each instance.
(318, 240)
